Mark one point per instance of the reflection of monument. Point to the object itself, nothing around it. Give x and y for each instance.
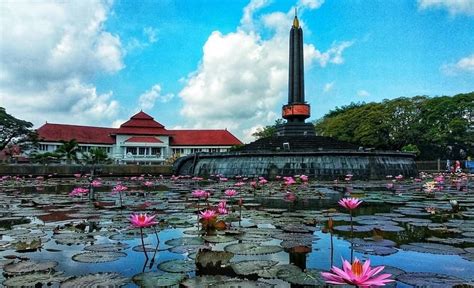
(295, 149)
(297, 110)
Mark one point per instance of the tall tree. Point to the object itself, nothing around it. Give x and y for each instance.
(268, 130)
(14, 131)
(95, 156)
(68, 150)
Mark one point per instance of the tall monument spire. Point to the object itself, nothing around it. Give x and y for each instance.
(297, 110)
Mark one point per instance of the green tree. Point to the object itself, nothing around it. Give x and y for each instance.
(44, 158)
(268, 131)
(437, 126)
(95, 156)
(411, 148)
(14, 131)
(68, 150)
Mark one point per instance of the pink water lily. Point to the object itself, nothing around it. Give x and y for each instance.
(208, 214)
(96, 183)
(350, 203)
(148, 183)
(222, 208)
(230, 192)
(200, 193)
(119, 188)
(79, 191)
(142, 220)
(358, 274)
(289, 180)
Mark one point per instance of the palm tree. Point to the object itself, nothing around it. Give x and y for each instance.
(95, 156)
(68, 150)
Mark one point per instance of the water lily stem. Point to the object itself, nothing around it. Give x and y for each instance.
(143, 243)
(352, 237)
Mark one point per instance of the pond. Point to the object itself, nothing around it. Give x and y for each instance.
(280, 233)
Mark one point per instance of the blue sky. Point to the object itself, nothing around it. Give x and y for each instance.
(223, 64)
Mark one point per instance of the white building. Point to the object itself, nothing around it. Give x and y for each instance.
(139, 140)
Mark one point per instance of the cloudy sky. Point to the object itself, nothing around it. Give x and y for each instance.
(223, 63)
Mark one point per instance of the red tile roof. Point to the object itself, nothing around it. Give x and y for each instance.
(83, 134)
(202, 137)
(142, 123)
(144, 140)
(139, 124)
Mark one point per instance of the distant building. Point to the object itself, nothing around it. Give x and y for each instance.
(139, 140)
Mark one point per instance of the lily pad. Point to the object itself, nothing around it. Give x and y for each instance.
(29, 266)
(252, 249)
(185, 241)
(219, 239)
(307, 277)
(98, 257)
(34, 279)
(204, 281)
(357, 228)
(96, 280)
(34, 245)
(177, 266)
(74, 238)
(433, 248)
(241, 283)
(157, 279)
(107, 247)
(212, 260)
(426, 279)
(187, 248)
(251, 267)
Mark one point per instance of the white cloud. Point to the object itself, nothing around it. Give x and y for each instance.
(242, 78)
(49, 52)
(118, 122)
(328, 87)
(151, 34)
(453, 6)
(465, 64)
(147, 100)
(363, 93)
(311, 4)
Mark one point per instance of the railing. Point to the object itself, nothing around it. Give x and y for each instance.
(138, 157)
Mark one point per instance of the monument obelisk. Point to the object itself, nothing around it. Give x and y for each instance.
(297, 110)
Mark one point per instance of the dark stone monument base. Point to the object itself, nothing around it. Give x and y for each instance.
(295, 129)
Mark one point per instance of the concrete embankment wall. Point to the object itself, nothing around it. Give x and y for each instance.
(69, 170)
(328, 165)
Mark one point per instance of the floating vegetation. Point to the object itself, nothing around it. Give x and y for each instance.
(29, 266)
(35, 279)
(259, 238)
(308, 277)
(425, 279)
(158, 279)
(432, 248)
(107, 247)
(251, 267)
(98, 257)
(96, 280)
(252, 249)
(177, 266)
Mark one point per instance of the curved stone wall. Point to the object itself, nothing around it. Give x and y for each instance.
(321, 164)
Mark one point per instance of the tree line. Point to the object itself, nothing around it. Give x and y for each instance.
(431, 127)
(18, 135)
